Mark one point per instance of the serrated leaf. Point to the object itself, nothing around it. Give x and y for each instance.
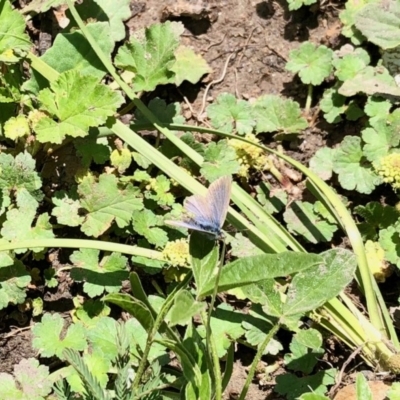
(105, 201)
(78, 102)
(72, 51)
(349, 65)
(347, 17)
(31, 381)
(12, 36)
(189, 66)
(379, 22)
(99, 276)
(333, 105)
(14, 279)
(219, 160)
(348, 164)
(144, 223)
(185, 307)
(47, 336)
(276, 114)
(377, 108)
(302, 219)
(91, 148)
(150, 56)
(313, 64)
(66, 209)
(379, 139)
(322, 163)
(167, 113)
(230, 114)
(378, 215)
(113, 12)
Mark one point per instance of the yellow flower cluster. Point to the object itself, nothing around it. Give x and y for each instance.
(389, 169)
(248, 156)
(176, 253)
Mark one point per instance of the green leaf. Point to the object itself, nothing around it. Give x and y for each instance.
(313, 64)
(47, 336)
(312, 396)
(313, 287)
(371, 81)
(249, 270)
(301, 358)
(99, 276)
(302, 219)
(322, 163)
(231, 115)
(276, 114)
(144, 222)
(114, 13)
(348, 163)
(150, 56)
(296, 4)
(12, 36)
(31, 381)
(219, 160)
(347, 17)
(91, 148)
(349, 65)
(389, 239)
(67, 209)
(166, 113)
(333, 105)
(292, 386)
(25, 230)
(379, 22)
(14, 279)
(377, 108)
(72, 51)
(159, 192)
(394, 391)
(105, 201)
(226, 326)
(363, 390)
(379, 139)
(257, 326)
(185, 307)
(273, 200)
(78, 102)
(189, 66)
(377, 215)
(98, 366)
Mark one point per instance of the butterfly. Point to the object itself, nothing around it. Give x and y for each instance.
(207, 213)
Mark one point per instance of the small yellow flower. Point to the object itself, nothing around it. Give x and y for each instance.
(177, 253)
(389, 169)
(248, 156)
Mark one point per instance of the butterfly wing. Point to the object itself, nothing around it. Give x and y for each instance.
(218, 197)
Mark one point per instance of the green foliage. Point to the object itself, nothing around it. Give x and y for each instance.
(296, 4)
(313, 64)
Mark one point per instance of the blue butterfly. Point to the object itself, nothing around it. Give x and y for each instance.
(207, 213)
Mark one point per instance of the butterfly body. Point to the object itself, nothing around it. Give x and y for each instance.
(207, 213)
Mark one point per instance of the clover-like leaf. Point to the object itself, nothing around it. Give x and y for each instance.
(313, 64)
(145, 223)
(106, 201)
(302, 219)
(219, 160)
(276, 114)
(12, 36)
(77, 102)
(348, 163)
(189, 66)
(47, 338)
(99, 276)
(14, 279)
(230, 114)
(150, 56)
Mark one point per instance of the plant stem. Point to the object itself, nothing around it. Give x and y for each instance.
(257, 359)
(309, 99)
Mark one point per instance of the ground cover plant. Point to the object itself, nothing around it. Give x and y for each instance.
(100, 145)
